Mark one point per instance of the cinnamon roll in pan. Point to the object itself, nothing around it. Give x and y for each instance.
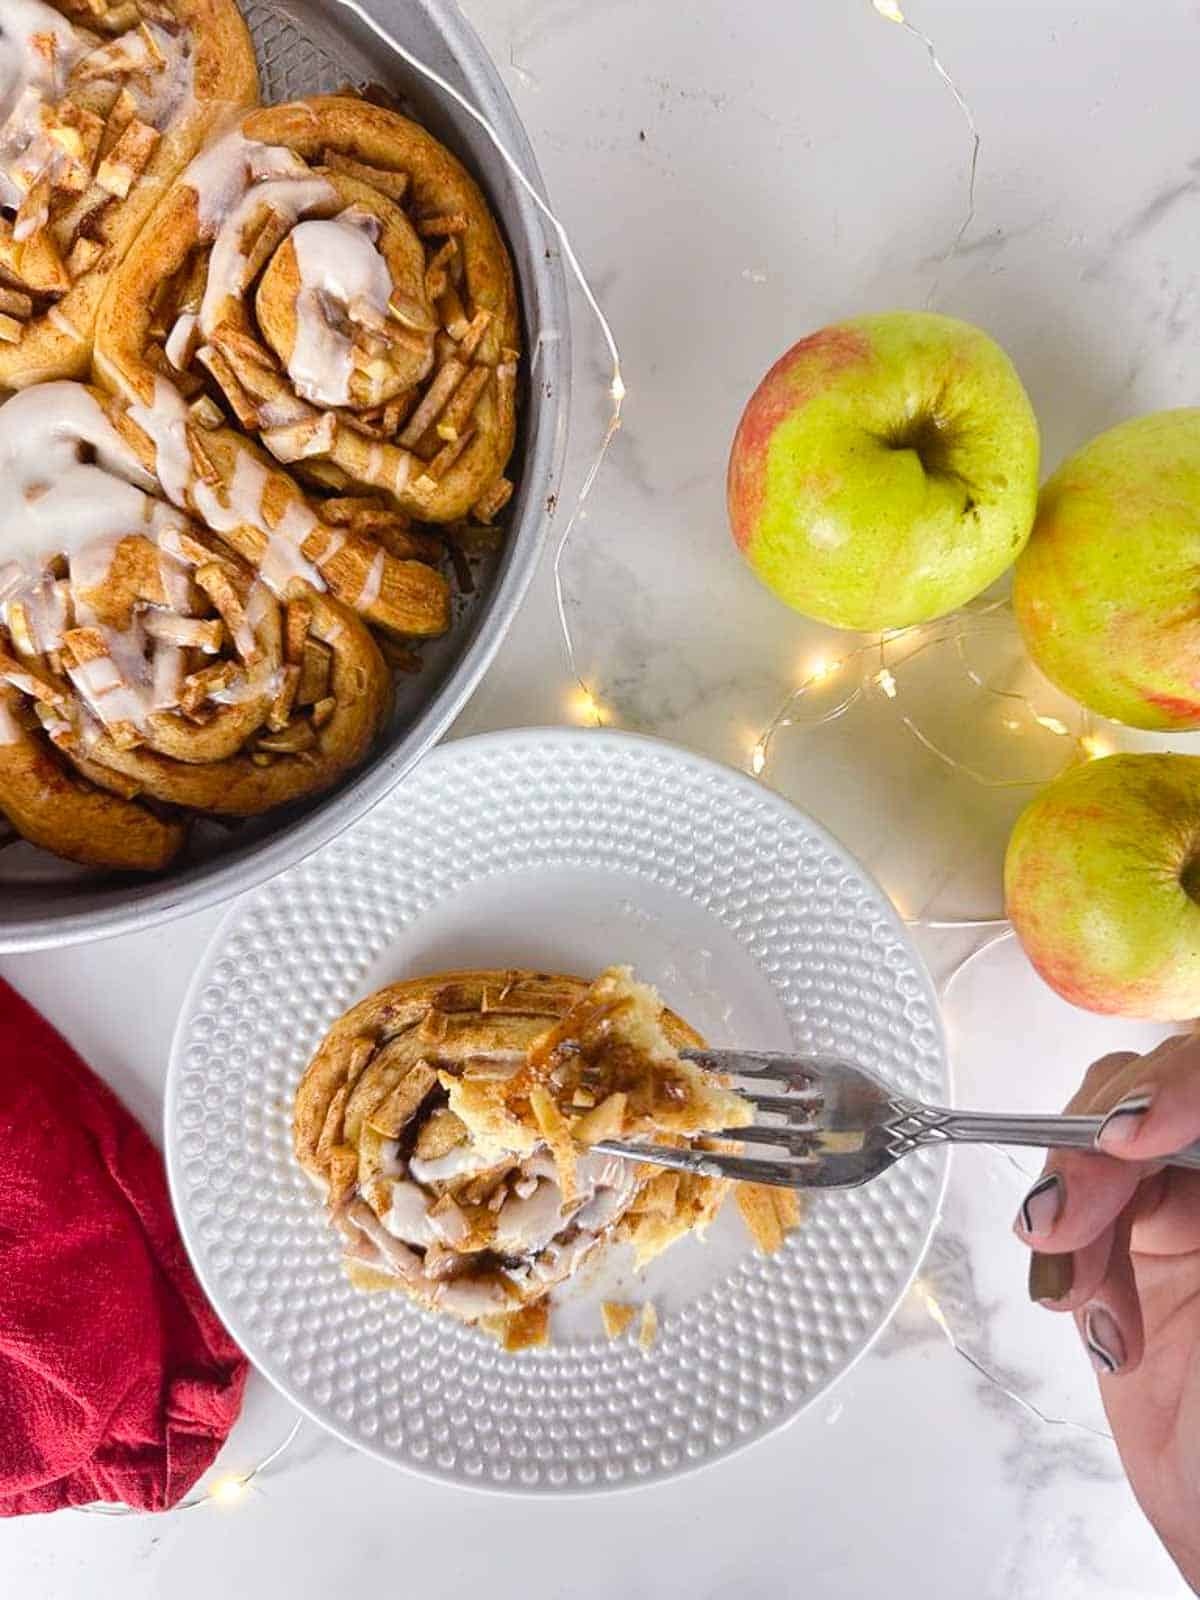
(334, 277)
(147, 672)
(436, 586)
(101, 106)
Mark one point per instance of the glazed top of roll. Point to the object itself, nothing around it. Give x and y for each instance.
(331, 278)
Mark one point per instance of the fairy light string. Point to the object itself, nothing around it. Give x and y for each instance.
(881, 663)
(227, 1490)
(891, 12)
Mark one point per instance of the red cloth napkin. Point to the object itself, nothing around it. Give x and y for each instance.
(117, 1382)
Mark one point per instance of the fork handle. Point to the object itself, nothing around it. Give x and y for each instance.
(1056, 1133)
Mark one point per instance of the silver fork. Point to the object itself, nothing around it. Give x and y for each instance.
(839, 1125)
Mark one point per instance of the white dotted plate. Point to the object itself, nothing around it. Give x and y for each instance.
(564, 849)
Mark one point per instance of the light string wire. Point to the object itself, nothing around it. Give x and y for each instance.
(877, 657)
(589, 705)
(937, 1316)
(891, 12)
(225, 1490)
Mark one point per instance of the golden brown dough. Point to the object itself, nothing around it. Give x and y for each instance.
(73, 819)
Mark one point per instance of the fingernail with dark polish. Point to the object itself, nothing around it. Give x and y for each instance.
(1050, 1277)
(1123, 1121)
(1103, 1339)
(1042, 1206)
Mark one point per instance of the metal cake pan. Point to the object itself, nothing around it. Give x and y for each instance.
(307, 47)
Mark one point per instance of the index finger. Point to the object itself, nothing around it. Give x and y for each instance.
(1152, 1106)
(1079, 1194)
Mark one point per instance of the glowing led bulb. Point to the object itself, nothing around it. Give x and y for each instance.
(585, 707)
(885, 680)
(1094, 747)
(936, 1312)
(1053, 725)
(227, 1490)
(821, 668)
(889, 10)
(758, 758)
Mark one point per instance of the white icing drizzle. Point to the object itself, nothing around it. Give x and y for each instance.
(225, 169)
(177, 587)
(38, 48)
(91, 562)
(166, 675)
(456, 1163)
(251, 687)
(283, 548)
(180, 338)
(408, 1216)
(118, 686)
(233, 505)
(372, 584)
(164, 93)
(404, 460)
(57, 504)
(164, 422)
(530, 1219)
(288, 198)
(21, 61)
(54, 503)
(43, 599)
(10, 728)
(341, 270)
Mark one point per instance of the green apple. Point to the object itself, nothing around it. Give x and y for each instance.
(1102, 881)
(1106, 590)
(885, 470)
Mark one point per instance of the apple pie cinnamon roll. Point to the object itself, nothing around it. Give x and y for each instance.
(148, 672)
(102, 103)
(449, 1123)
(326, 287)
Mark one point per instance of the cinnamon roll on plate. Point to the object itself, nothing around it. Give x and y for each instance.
(448, 1122)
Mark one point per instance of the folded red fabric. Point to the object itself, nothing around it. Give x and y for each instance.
(117, 1382)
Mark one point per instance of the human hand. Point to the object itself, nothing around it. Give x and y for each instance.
(1116, 1240)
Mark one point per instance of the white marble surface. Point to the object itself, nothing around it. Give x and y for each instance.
(735, 175)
